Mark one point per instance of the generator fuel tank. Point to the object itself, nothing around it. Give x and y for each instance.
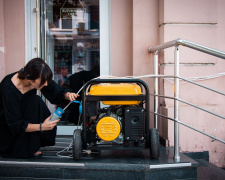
(114, 89)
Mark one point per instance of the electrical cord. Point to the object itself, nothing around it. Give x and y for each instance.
(67, 149)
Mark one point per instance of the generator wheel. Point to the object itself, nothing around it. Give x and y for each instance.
(154, 143)
(77, 144)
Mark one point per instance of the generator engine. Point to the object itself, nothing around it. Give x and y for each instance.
(126, 122)
(109, 127)
(122, 120)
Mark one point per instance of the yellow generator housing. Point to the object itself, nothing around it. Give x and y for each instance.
(107, 89)
(123, 123)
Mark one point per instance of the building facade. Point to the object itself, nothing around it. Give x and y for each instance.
(116, 36)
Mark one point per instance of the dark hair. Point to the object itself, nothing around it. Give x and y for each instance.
(34, 69)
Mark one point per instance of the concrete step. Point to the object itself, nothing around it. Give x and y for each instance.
(118, 164)
(206, 170)
(107, 164)
(209, 171)
(57, 163)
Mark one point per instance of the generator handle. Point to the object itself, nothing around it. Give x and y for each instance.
(98, 81)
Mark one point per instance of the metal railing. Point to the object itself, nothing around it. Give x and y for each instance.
(176, 77)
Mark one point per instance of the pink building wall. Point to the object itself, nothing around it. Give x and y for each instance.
(154, 22)
(121, 51)
(12, 36)
(198, 22)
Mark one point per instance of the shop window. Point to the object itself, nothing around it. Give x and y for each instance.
(73, 42)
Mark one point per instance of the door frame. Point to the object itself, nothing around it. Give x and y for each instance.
(30, 30)
(31, 41)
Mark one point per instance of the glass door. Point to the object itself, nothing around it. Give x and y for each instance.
(70, 39)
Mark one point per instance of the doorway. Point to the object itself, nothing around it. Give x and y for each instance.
(54, 39)
(70, 41)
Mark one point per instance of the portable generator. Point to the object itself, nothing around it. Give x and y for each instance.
(115, 115)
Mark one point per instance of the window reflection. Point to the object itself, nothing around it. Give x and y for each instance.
(73, 43)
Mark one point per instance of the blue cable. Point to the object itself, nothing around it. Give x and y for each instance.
(80, 106)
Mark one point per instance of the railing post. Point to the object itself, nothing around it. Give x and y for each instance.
(176, 105)
(156, 90)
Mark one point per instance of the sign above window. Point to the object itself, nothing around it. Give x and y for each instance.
(71, 17)
(67, 13)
